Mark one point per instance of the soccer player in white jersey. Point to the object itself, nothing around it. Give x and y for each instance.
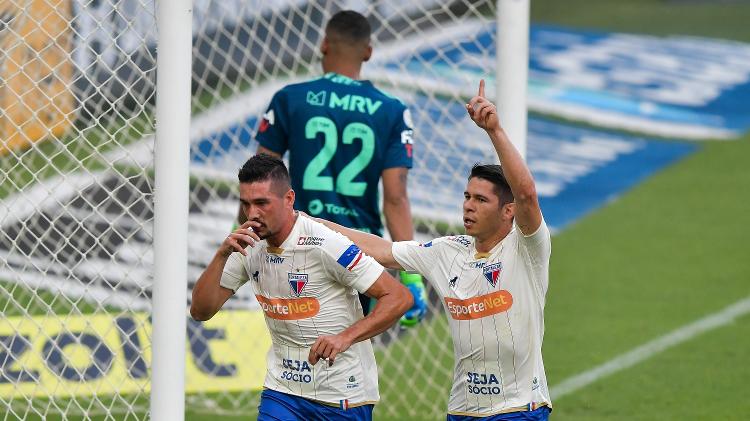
(306, 278)
(492, 281)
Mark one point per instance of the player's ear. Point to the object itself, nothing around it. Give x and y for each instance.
(324, 46)
(368, 52)
(289, 198)
(508, 210)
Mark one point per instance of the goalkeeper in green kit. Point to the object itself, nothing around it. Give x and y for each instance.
(343, 135)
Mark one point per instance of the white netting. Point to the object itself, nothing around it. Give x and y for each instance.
(77, 96)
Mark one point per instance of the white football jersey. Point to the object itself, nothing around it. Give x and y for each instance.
(495, 305)
(308, 288)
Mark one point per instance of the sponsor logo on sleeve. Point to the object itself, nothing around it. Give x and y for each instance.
(407, 119)
(310, 241)
(407, 136)
(492, 273)
(350, 257)
(460, 239)
(478, 307)
(407, 139)
(268, 120)
(297, 282)
(427, 244)
(289, 309)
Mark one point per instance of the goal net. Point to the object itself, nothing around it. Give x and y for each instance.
(77, 80)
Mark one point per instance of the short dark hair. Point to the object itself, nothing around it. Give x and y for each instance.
(350, 26)
(494, 174)
(264, 167)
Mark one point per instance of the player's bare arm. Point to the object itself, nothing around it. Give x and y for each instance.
(528, 215)
(393, 299)
(396, 206)
(208, 295)
(377, 247)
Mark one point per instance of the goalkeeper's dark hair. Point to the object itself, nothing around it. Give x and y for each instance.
(350, 26)
(264, 167)
(494, 174)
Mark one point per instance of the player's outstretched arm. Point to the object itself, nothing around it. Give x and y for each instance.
(208, 295)
(528, 215)
(377, 247)
(393, 299)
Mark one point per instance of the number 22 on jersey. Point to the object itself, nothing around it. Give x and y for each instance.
(345, 185)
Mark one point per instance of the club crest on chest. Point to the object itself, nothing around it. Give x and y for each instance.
(297, 282)
(492, 273)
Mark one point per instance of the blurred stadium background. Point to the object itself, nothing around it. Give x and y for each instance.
(637, 138)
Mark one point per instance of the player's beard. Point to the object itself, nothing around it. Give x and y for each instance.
(262, 230)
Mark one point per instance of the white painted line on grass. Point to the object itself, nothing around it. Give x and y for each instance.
(649, 349)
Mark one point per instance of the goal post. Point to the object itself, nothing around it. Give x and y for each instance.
(513, 69)
(171, 205)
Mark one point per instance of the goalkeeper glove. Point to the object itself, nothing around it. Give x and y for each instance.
(416, 313)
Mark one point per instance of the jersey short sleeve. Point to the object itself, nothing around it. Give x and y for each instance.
(349, 265)
(538, 244)
(400, 141)
(234, 274)
(538, 247)
(414, 256)
(273, 129)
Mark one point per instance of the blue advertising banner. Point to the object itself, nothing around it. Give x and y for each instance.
(677, 86)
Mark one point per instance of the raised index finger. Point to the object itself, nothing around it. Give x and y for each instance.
(481, 88)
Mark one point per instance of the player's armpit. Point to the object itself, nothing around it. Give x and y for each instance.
(528, 214)
(266, 151)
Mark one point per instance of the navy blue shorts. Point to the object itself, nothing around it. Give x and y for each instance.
(539, 414)
(277, 406)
